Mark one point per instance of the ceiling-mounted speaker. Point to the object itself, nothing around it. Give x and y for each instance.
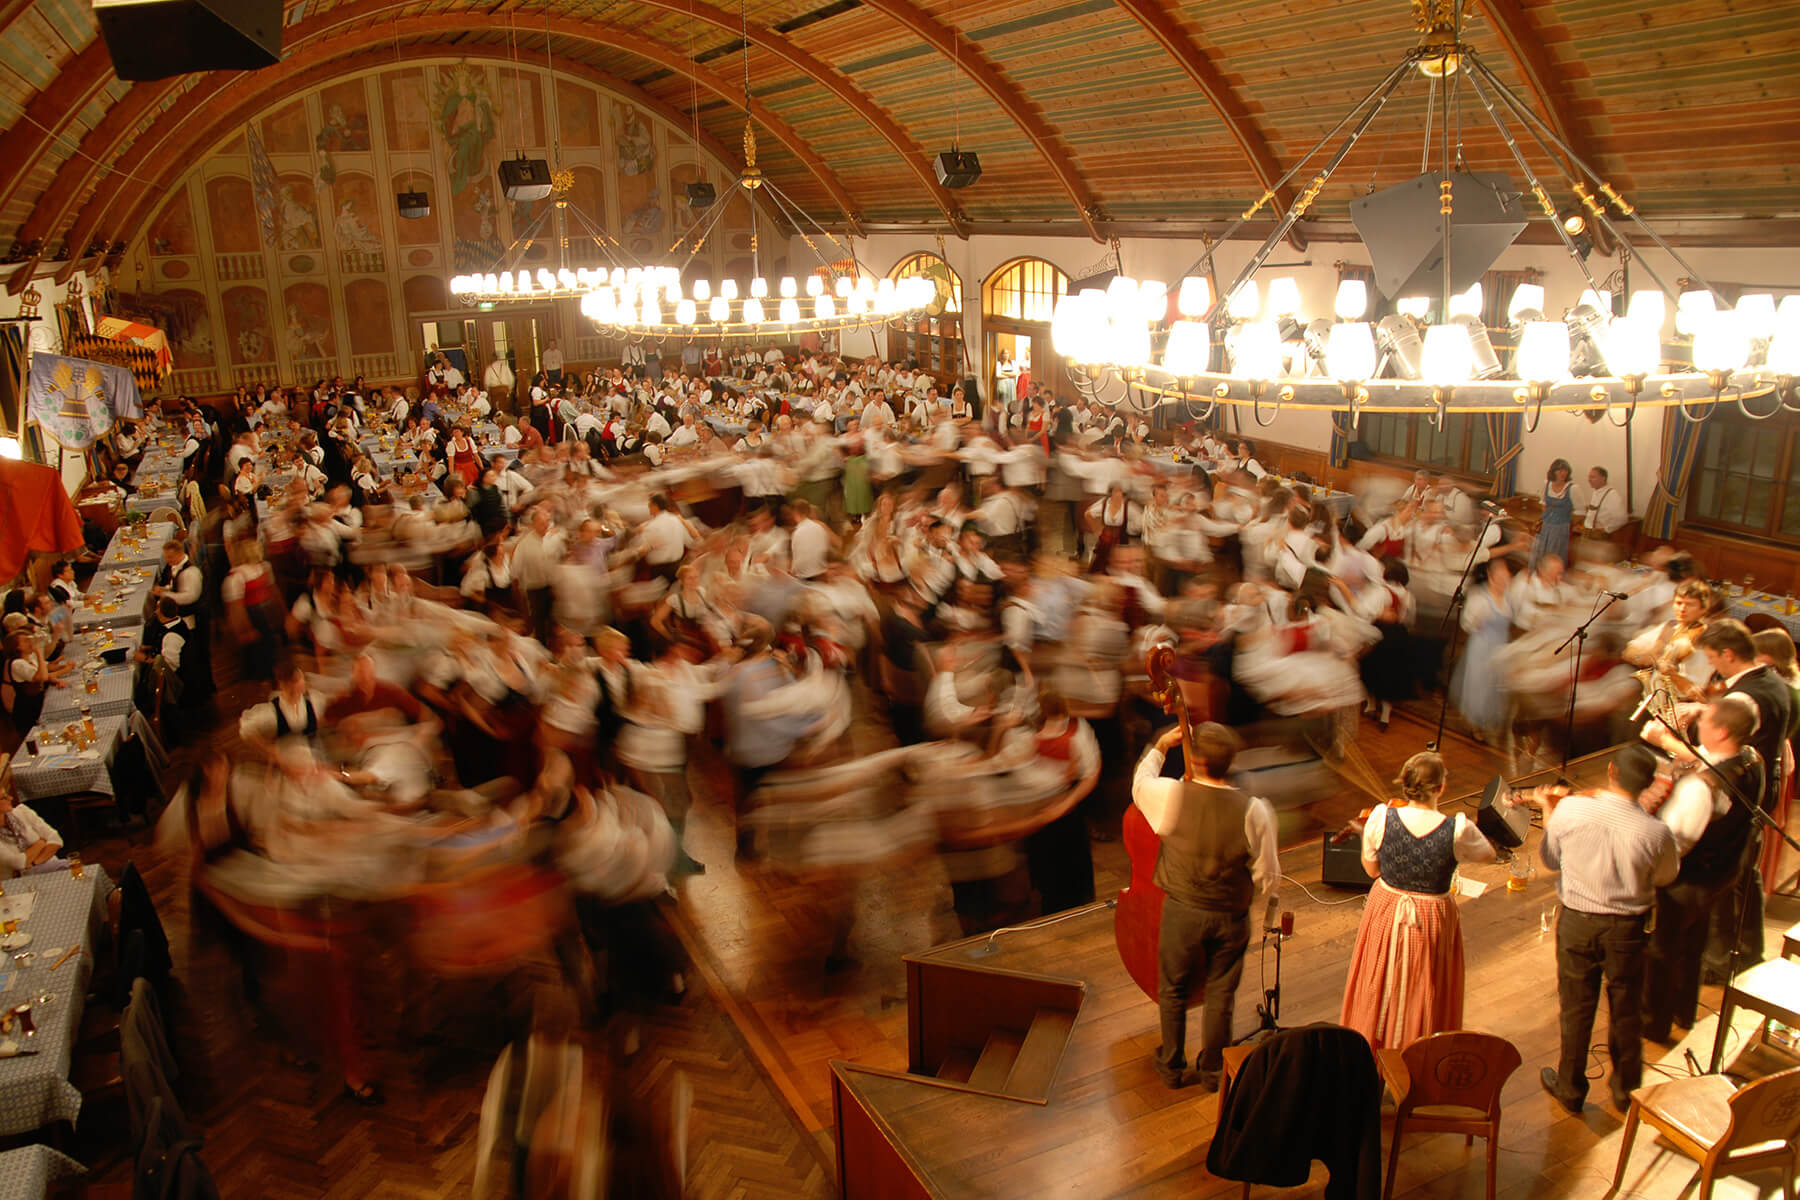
(524, 179)
(1403, 230)
(957, 168)
(701, 195)
(413, 205)
(157, 39)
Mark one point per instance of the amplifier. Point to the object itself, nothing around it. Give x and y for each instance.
(1504, 822)
(1342, 867)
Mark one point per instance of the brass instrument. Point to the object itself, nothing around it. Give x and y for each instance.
(1659, 679)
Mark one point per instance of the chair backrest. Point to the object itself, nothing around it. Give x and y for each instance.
(170, 514)
(1765, 1111)
(1462, 1068)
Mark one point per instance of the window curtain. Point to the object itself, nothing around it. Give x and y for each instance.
(1680, 450)
(1341, 437)
(1504, 430)
(12, 376)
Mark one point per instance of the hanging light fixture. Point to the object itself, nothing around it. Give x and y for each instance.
(1432, 349)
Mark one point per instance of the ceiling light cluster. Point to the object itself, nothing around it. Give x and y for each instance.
(652, 302)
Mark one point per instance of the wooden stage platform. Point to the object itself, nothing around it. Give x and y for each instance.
(1097, 1122)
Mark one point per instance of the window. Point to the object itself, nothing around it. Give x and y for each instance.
(1747, 476)
(1025, 289)
(934, 342)
(1462, 446)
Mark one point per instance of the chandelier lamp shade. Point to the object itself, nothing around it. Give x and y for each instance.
(1200, 342)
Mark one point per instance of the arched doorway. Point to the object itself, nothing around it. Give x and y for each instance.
(934, 342)
(1017, 301)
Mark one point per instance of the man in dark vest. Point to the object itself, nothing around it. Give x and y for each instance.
(1218, 851)
(1731, 653)
(1712, 829)
(181, 581)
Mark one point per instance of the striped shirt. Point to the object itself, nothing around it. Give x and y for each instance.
(1612, 854)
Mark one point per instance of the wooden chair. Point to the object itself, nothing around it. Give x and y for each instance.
(1448, 1083)
(1727, 1131)
(171, 515)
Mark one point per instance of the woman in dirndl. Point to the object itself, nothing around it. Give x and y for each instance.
(1406, 973)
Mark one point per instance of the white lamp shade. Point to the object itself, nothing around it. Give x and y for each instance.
(653, 314)
(1246, 302)
(1543, 352)
(815, 286)
(1448, 358)
(1129, 344)
(886, 296)
(673, 292)
(1784, 345)
(686, 311)
(1153, 300)
(544, 278)
(1527, 297)
(753, 311)
(759, 288)
(1600, 302)
(1189, 351)
(790, 310)
(1788, 309)
(1690, 309)
(856, 305)
(1350, 351)
(865, 286)
(728, 288)
(1413, 306)
(1284, 296)
(845, 285)
(1721, 342)
(1352, 300)
(719, 310)
(1467, 304)
(1121, 294)
(1648, 306)
(789, 286)
(1259, 351)
(1757, 312)
(702, 289)
(1633, 346)
(824, 307)
(1195, 296)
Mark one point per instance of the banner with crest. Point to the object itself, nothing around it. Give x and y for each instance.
(77, 401)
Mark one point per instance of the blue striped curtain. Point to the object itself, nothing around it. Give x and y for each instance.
(1680, 450)
(1341, 437)
(1504, 430)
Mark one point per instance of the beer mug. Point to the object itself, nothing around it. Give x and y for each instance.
(1518, 874)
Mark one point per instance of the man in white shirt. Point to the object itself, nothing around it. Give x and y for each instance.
(499, 374)
(772, 356)
(1606, 507)
(553, 362)
(443, 374)
(534, 559)
(687, 435)
(1218, 850)
(664, 539)
(810, 542)
(877, 412)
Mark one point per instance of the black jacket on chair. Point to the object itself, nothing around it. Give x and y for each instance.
(1303, 1094)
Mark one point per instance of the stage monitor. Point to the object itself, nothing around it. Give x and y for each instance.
(1504, 821)
(158, 39)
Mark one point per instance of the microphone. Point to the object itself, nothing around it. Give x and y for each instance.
(1615, 595)
(1491, 506)
(1643, 704)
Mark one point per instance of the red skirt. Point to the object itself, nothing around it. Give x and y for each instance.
(1406, 973)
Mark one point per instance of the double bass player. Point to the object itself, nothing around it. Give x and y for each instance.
(1218, 851)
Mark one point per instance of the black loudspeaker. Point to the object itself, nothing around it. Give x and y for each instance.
(157, 39)
(524, 179)
(1503, 821)
(957, 168)
(1402, 228)
(414, 205)
(701, 195)
(1343, 867)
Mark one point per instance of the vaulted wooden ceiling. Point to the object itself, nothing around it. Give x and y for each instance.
(1095, 116)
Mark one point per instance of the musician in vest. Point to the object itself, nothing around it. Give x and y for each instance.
(1218, 851)
(181, 581)
(1728, 647)
(1709, 815)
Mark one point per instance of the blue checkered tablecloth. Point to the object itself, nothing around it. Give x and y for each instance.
(58, 770)
(148, 551)
(126, 598)
(113, 699)
(65, 911)
(28, 1172)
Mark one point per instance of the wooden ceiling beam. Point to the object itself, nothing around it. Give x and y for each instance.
(1160, 23)
(94, 220)
(1002, 91)
(73, 89)
(1543, 77)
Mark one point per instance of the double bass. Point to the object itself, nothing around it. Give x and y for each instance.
(1137, 917)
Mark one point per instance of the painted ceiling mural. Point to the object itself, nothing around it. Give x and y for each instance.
(287, 243)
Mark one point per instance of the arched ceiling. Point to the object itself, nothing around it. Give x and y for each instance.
(1103, 117)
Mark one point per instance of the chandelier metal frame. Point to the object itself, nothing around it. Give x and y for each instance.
(1220, 352)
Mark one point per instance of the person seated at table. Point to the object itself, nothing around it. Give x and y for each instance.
(24, 675)
(62, 588)
(26, 839)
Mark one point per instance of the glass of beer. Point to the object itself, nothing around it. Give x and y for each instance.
(75, 864)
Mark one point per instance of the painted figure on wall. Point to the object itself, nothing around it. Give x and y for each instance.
(637, 144)
(343, 132)
(299, 227)
(267, 189)
(466, 118)
(308, 322)
(190, 337)
(352, 234)
(478, 245)
(646, 218)
(247, 326)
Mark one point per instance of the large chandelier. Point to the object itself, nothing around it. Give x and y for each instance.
(511, 280)
(653, 302)
(1253, 345)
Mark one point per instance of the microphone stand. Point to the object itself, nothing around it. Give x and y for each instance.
(1579, 637)
(1758, 817)
(1456, 602)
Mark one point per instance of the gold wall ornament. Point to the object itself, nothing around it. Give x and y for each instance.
(29, 300)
